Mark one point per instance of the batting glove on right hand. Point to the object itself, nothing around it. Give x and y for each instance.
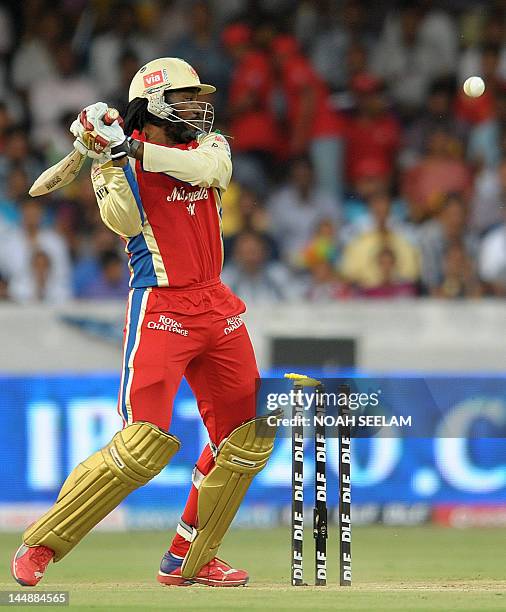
(94, 137)
(114, 134)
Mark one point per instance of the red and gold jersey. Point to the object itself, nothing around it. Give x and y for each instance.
(168, 210)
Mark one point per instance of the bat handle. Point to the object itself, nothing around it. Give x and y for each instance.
(110, 116)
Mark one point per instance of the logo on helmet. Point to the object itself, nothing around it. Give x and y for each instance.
(153, 78)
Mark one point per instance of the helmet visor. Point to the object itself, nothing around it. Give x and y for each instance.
(195, 113)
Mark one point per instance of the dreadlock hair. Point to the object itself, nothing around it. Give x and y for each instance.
(137, 116)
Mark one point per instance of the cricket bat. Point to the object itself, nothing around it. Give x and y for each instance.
(66, 170)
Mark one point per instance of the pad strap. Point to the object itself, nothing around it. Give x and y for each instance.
(186, 531)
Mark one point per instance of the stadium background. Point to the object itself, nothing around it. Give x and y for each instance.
(364, 228)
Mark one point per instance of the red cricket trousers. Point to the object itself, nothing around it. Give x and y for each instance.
(197, 333)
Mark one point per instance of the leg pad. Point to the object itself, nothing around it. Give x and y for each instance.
(96, 486)
(240, 456)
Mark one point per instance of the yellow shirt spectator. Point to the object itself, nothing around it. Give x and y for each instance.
(360, 262)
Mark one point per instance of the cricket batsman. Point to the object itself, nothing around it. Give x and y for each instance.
(159, 187)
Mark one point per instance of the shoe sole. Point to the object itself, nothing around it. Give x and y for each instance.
(167, 580)
(13, 569)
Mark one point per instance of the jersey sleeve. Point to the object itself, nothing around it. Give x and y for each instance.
(118, 198)
(208, 165)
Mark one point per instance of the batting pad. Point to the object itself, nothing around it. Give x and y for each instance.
(97, 485)
(240, 456)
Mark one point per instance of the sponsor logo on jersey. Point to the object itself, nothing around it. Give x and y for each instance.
(168, 324)
(190, 198)
(233, 323)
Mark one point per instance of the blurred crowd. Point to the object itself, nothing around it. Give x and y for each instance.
(361, 170)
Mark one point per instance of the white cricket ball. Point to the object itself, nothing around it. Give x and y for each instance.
(474, 87)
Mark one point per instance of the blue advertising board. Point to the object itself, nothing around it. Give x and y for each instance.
(49, 423)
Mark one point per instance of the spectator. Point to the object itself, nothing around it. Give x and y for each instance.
(501, 119)
(390, 285)
(361, 264)
(297, 208)
(492, 35)
(41, 271)
(171, 21)
(413, 50)
(252, 121)
(481, 113)
(124, 32)
(128, 64)
(372, 133)
(436, 236)
(323, 245)
(9, 101)
(252, 277)
(489, 198)
(68, 90)
(438, 114)
(379, 204)
(247, 212)
(112, 280)
(372, 177)
(17, 187)
(357, 61)
(18, 155)
(201, 49)
(343, 36)
(439, 172)
(325, 284)
(23, 270)
(492, 259)
(78, 215)
(312, 124)
(6, 122)
(459, 279)
(88, 267)
(320, 258)
(34, 59)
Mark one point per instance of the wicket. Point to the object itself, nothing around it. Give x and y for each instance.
(320, 524)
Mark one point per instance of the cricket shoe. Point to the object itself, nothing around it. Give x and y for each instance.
(216, 573)
(29, 564)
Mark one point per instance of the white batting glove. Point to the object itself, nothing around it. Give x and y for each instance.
(95, 138)
(85, 141)
(115, 135)
(88, 141)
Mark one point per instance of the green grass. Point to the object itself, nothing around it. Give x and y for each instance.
(422, 568)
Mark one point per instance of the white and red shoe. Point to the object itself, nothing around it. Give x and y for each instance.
(29, 564)
(216, 573)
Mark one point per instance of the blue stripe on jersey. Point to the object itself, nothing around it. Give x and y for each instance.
(135, 310)
(144, 274)
(130, 177)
